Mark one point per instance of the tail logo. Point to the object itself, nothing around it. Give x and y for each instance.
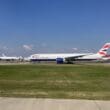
(103, 50)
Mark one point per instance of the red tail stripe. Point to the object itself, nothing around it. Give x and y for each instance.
(102, 53)
(106, 46)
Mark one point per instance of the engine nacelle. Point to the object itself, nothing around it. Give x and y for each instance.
(63, 60)
(60, 60)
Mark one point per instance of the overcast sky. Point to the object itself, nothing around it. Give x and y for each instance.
(39, 26)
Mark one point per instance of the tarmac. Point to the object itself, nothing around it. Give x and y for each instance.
(51, 104)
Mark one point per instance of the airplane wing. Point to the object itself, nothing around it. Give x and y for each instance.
(73, 58)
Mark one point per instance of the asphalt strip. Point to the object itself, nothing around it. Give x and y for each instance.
(51, 104)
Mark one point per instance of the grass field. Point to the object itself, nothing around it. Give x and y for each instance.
(55, 81)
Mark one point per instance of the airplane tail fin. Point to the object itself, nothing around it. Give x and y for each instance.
(3, 55)
(103, 50)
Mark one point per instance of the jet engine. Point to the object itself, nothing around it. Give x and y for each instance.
(60, 60)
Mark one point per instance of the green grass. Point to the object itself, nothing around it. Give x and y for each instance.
(55, 81)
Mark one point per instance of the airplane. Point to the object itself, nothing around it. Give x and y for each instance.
(71, 57)
(9, 58)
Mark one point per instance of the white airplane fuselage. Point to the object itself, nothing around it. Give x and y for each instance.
(7, 58)
(54, 56)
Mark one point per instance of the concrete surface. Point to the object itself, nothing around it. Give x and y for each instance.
(51, 104)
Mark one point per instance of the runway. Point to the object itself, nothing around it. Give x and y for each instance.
(51, 104)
